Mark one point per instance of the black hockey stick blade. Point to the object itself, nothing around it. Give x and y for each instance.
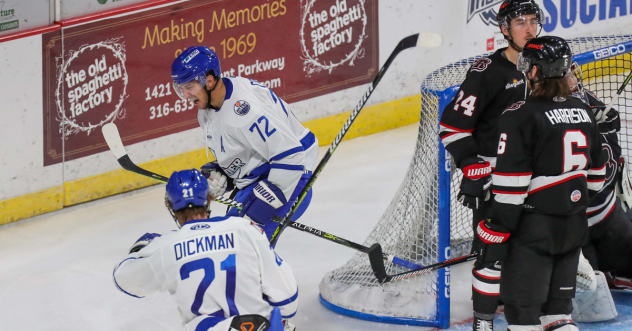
(408, 42)
(113, 139)
(377, 263)
(128, 165)
(383, 277)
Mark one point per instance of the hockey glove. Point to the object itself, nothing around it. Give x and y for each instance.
(263, 202)
(218, 182)
(143, 241)
(476, 183)
(490, 243)
(611, 123)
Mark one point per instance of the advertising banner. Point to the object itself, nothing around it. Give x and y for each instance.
(16, 15)
(564, 18)
(118, 70)
(74, 8)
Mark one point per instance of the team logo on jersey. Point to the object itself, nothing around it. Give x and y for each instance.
(234, 167)
(514, 84)
(200, 227)
(486, 10)
(576, 195)
(242, 107)
(515, 106)
(481, 64)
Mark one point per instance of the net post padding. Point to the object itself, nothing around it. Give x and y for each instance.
(411, 226)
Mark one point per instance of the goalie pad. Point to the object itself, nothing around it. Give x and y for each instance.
(594, 306)
(624, 185)
(586, 278)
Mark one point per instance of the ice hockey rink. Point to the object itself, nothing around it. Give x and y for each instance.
(56, 269)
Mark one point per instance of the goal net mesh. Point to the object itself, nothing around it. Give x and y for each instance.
(409, 227)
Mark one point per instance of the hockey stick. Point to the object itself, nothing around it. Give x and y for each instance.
(408, 42)
(377, 264)
(113, 139)
(616, 96)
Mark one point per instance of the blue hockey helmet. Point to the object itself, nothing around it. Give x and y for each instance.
(194, 64)
(186, 189)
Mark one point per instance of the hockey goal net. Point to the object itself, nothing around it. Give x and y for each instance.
(424, 223)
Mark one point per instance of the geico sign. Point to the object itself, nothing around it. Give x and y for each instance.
(609, 51)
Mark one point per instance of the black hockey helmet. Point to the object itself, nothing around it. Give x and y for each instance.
(552, 54)
(511, 9)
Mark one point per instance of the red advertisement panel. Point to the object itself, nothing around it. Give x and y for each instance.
(118, 70)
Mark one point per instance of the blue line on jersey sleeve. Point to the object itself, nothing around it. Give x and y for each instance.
(258, 171)
(284, 302)
(283, 106)
(308, 140)
(287, 167)
(229, 88)
(114, 277)
(287, 153)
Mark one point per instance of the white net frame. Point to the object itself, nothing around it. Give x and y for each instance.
(409, 227)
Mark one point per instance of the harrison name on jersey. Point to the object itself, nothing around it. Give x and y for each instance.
(572, 115)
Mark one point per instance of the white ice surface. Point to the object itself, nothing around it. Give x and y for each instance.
(56, 269)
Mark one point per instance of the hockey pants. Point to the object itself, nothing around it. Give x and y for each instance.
(539, 274)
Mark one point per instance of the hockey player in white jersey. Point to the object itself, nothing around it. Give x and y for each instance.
(221, 271)
(260, 146)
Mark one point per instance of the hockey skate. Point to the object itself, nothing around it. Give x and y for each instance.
(482, 325)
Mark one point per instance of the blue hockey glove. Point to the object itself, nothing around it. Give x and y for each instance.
(143, 241)
(218, 182)
(263, 202)
(490, 242)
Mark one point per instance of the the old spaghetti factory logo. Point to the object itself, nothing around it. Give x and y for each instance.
(91, 85)
(332, 33)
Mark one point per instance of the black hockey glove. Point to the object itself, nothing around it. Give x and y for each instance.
(611, 124)
(490, 242)
(476, 183)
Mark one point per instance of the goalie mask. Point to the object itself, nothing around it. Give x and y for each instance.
(575, 81)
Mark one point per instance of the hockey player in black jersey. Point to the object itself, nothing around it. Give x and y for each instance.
(469, 131)
(550, 163)
(609, 246)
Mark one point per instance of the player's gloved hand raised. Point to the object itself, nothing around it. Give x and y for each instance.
(611, 123)
(476, 183)
(143, 241)
(218, 182)
(490, 242)
(263, 202)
